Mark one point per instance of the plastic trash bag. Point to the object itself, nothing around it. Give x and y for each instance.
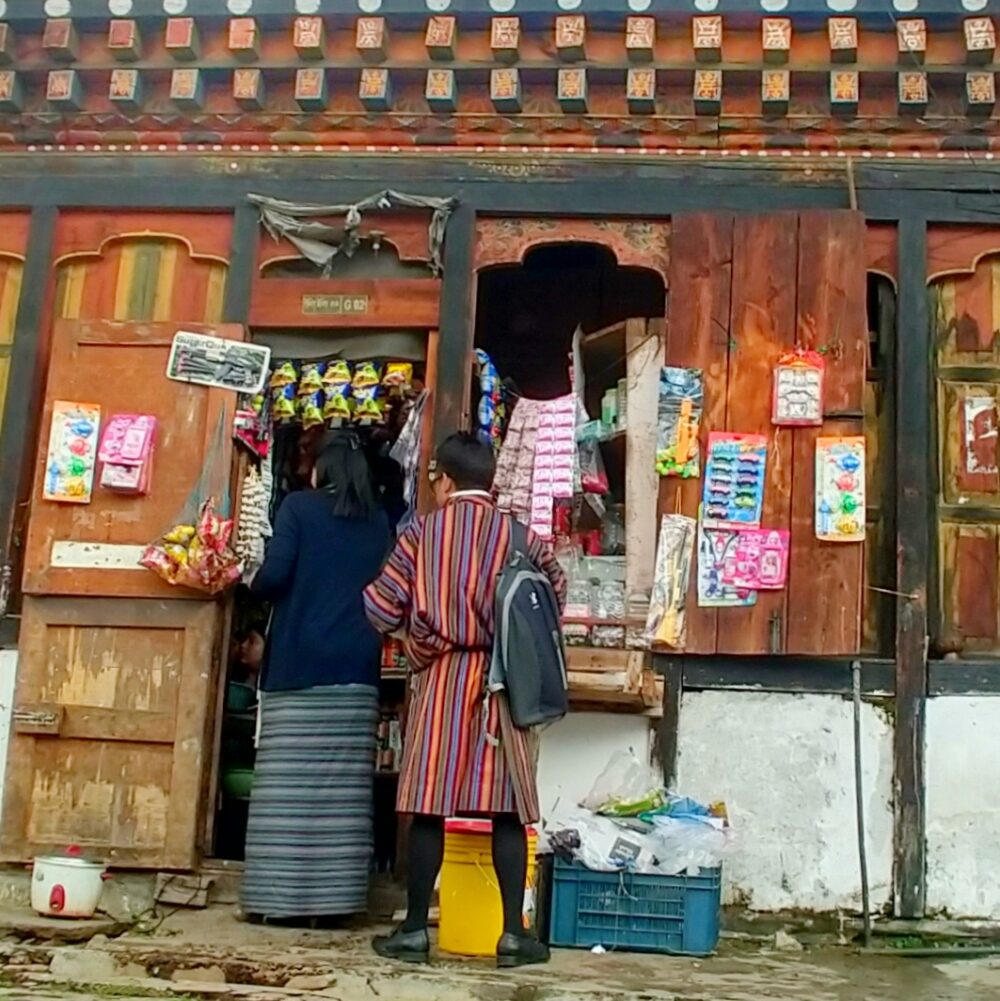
(626, 788)
(687, 844)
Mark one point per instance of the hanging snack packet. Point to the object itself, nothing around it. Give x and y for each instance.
(284, 375)
(366, 377)
(311, 380)
(337, 375)
(398, 376)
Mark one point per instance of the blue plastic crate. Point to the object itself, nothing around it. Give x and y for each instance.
(635, 913)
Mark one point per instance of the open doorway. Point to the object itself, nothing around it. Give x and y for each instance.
(563, 340)
(369, 380)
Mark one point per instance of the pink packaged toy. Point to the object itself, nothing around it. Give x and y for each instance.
(126, 453)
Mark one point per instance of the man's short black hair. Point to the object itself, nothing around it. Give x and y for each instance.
(467, 460)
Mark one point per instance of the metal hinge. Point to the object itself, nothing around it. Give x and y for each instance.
(35, 718)
(6, 576)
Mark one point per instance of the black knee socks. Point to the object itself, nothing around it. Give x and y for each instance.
(426, 853)
(425, 857)
(510, 860)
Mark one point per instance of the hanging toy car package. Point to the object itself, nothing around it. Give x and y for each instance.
(734, 480)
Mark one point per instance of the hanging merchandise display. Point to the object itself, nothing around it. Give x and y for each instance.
(840, 489)
(734, 480)
(716, 546)
(678, 419)
(758, 561)
(980, 418)
(406, 452)
(72, 452)
(126, 453)
(797, 399)
(665, 622)
(252, 425)
(537, 463)
(254, 527)
(196, 555)
(491, 413)
(215, 361)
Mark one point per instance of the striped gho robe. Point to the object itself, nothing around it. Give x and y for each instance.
(462, 753)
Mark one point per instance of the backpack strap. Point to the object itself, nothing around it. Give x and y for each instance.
(519, 538)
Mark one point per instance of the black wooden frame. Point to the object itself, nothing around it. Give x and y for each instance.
(909, 195)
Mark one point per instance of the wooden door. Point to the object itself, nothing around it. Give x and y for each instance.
(93, 548)
(745, 289)
(116, 670)
(109, 739)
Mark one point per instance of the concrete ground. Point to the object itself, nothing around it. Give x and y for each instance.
(210, 955)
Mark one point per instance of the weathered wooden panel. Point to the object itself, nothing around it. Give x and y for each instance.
(968, 465)
(825, 579)
(969, 562)
(141, 278)
(121, 772)
(698, 315)
(765, 263)
(103, 363)
(11, 270)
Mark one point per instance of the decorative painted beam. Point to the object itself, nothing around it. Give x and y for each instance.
(11, 92)
(843, 35)
(911, 40)
(181, 39)
(375, 89)
(640, 90)
(244, 39)
(7, 45)
(309, 37)
(913, 92)
(505, 38)
(311, 88)
(441, 91)
(707, 92)
(371, 38)
(441, 36)
(505, 89)
(124, 40)
(980, 94)
(640, 39)
(572, 90)
(775, 92)
(845, 93)
(125, 90)
(249, 91)
(776, 39)
(980, 39)
(706, 37)
(60, 40)
(187, 88)
(64, 90)
(571, 37)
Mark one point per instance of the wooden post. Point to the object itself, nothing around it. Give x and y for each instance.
(451, 394)
(242, 264)
(24, 391)
(913, 515)
(669, 725)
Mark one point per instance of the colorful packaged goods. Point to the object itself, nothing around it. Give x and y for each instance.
(282, 385)
(196, 555)
(310, 395)
(365, 391)
(398, 376)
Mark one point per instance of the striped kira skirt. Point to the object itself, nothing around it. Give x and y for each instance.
(309, 836)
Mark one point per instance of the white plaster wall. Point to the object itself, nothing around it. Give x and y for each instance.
(8, 668)
(784, 765)
(576, 750)
(963, 806)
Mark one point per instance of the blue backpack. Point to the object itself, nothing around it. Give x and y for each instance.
(529, 661)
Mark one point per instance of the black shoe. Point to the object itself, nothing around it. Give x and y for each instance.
(406, 946)
(520, 950)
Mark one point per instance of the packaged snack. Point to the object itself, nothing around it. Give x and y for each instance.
(366, 376)
(337, 406)
(311, 381)
(283, 403)
(182, 534)
(367, 408)
(337, 375)
(284, 375)
(311, 410)
(398, 375)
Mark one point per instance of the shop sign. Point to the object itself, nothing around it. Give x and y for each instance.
(334, 305)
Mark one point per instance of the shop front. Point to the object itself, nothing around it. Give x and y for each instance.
(708, 237)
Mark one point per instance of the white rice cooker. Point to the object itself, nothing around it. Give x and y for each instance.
(66, 885)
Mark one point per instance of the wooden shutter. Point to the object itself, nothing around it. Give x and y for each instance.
(743, 290)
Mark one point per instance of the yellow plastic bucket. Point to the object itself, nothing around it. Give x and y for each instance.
(471, 912)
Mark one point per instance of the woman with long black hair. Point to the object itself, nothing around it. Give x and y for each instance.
(309, 837)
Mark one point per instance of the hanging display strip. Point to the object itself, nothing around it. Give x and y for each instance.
(215, 361)
(840, 489)
(681, 398)
(672, 577)
(798, 390)
(734, 480)
(72, 452)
